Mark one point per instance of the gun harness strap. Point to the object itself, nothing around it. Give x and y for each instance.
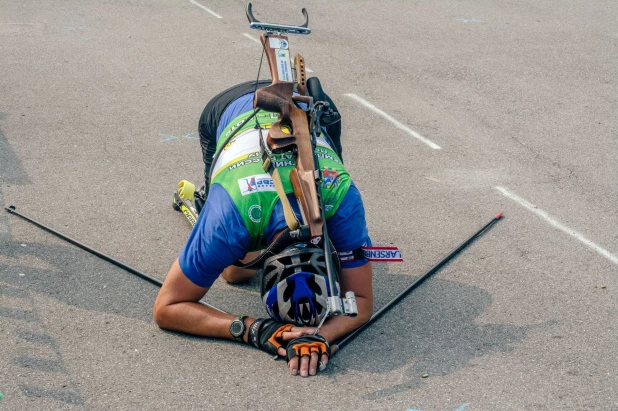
(267, 165)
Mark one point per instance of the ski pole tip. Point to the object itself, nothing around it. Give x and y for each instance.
(499, 215)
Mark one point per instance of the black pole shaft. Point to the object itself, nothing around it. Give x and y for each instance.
(11, 209)
(415, 284)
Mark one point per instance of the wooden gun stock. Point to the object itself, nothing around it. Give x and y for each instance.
(305, 191)
(301, 75)
(292, 129)
(278, 98)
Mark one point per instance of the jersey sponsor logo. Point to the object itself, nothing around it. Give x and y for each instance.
(323, 153)
(383, 254)
(255, 213)
(234, 127)
(330, 177)
(283, 160)
(285, 163)
(288, 159)
(255, 184)
(245, 162)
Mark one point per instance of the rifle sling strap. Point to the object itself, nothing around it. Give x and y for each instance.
(288, 212)
(283, 240)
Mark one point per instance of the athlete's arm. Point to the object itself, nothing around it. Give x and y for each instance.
(218, 239)
(348, 231)
(177, 308)
(358, 280)
(193, 273)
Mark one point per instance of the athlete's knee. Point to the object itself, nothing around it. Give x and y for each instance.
(237, 275)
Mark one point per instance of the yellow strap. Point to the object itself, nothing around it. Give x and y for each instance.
(290, 217)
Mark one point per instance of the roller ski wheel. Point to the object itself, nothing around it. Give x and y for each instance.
(186, 189)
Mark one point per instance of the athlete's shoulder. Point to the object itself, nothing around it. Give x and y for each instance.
(218, 239)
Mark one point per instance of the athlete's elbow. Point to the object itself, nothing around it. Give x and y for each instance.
(161, 315)
(363, 317)
(365, 309)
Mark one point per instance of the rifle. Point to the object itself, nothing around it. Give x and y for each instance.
(294, 132)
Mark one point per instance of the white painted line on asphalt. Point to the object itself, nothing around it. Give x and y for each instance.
(552, 221)
(205, 8)
(250, 37)
(396, 123)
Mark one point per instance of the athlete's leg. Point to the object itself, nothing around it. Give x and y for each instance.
(209, 121)
(208, 142)
(237, 275)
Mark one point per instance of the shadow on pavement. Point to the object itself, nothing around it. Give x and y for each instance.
(11, 171)
(433, 332)
(77, 278)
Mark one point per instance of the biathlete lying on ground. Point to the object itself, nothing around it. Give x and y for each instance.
(243, 214)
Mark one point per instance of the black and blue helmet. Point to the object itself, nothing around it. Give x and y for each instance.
(294, 285)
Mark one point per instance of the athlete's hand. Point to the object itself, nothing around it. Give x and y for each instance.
(305, 352)
(308, 353)
(291, 333)
(272, 336)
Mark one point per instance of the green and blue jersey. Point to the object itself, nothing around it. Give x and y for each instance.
(243, 212)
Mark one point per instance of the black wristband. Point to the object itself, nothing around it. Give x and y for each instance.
(254, 332)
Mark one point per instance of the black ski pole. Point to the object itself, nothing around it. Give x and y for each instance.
(11, 209)
(415, 284)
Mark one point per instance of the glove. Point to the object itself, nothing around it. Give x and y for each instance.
(267, 334)
(306, 345)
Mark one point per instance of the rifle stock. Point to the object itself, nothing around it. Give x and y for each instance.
(306, 193)
(301, 75)
(278, 98)
(292, 131)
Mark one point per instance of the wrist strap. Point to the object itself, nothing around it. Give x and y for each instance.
(254, 332)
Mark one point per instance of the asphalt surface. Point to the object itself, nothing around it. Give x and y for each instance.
(99, 103)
